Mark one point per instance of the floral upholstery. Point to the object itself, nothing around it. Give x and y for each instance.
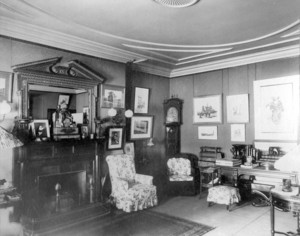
(130, 191)
(222, 194)
(179, 169)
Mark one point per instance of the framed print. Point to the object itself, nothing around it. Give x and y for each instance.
(40, 130)
(86, 113)
(141, 127)
(237, 108)
(115, 138)
(238, 133)
(84, 131)
(6, 86)
(63, 99)
(112, 96)
(276, 106)
(208, 132)
(141, 100)
(207, 109)
(129, 148)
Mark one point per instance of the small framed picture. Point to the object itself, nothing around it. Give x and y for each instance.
(63, 99)
(5, 86)
(141, 100)
(208, 132)
(112, 96)
(84, 131)
(207, 109)
(115, 138)
(237, 108)
(141, 127)
(40, 130)
(238, 133)
(86, 113)
(129, 148)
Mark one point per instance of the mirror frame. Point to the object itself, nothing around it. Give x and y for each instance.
(55, 80)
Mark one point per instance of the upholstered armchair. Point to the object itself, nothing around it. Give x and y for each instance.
(183, 174)
(130, 191)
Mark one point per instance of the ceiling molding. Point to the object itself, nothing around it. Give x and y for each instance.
(280, 53)
(39, 35)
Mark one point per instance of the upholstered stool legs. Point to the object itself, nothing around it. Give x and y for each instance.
(223, 195)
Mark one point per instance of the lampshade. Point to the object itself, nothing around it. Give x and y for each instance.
(128, 113)
(4, 108)
(112, 112)
(7, 140)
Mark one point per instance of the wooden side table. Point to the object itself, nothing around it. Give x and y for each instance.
(208, 177)
(288, 201)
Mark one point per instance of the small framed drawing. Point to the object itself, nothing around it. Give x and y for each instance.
(63, 99)
(208, 132)
(237, 108)
(86, 113)
(276, 106)
(84, 131)
(5, 86)
(112, 96)
(141, 127)
(129, 148)
(207, 109)
(238, 133)
(115, 138)
(141, 100)
(40, 130)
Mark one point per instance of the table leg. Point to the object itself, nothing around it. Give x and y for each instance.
(272, 212)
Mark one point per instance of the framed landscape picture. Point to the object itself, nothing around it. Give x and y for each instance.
(115, 138)
(141, 100)
(207, 109)
(112, 96)
(208, 132)
(276, 106)
(141, 127)
(238, 133)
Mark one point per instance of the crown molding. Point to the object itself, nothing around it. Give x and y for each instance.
(39, 35)
(285, 52)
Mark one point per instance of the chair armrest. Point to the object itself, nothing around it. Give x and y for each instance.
(144, 179)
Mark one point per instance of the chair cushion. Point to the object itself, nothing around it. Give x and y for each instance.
(181, 178)
(223, 195)
(179, 166)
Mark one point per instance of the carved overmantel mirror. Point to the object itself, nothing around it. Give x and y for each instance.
(55, 78)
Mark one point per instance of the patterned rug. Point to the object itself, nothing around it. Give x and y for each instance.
(142, 223)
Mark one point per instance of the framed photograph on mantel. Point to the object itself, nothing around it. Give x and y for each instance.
(207, 109)
(141, 100)
(276, 106)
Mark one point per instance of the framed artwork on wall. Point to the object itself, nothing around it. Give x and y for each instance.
(238, 133)
(6, 86)
(207, 109)
(141, 127)
(115, 138)
(141, 100)
(208, 132)
(63, 99)
(276, 106)
(237, 108)
(129, 148)
(112, 96)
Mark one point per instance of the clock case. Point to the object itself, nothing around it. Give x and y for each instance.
(172, 129)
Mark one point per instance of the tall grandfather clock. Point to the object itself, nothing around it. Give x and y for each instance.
(173, 121)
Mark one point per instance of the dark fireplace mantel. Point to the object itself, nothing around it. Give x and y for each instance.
(59, 180)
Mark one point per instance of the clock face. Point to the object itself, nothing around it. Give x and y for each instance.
(172, 115)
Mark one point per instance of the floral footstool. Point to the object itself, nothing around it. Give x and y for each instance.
(222, 194)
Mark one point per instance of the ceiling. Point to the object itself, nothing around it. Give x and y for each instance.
(171, 42)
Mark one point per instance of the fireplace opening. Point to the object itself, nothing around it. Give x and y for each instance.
(61, 192)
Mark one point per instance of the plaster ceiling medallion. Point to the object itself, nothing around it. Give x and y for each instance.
(176, 3)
